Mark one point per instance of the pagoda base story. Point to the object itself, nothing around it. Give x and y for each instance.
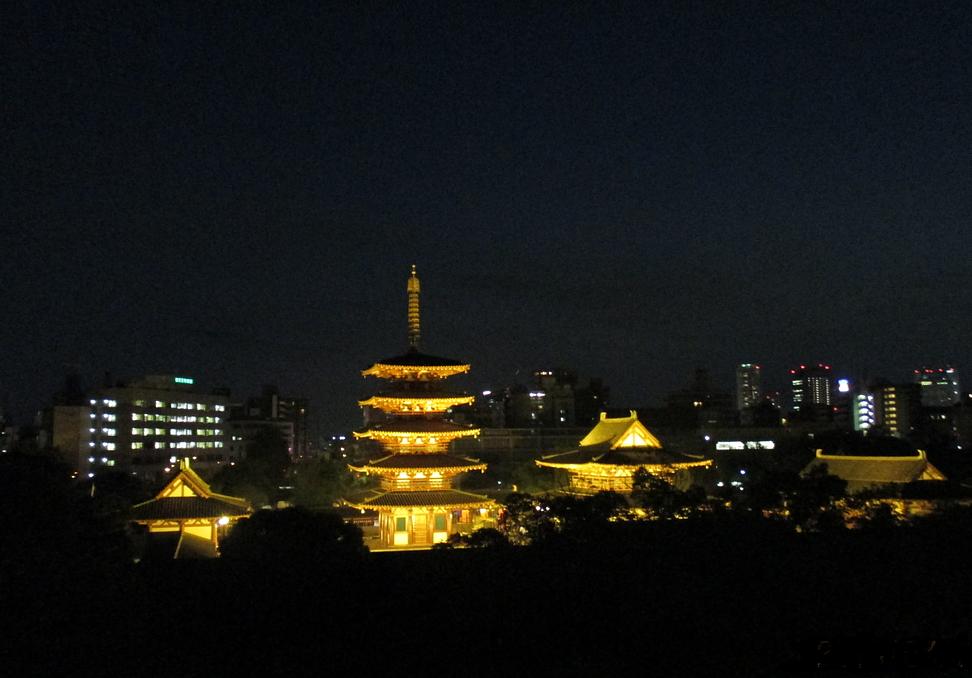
(421, 527)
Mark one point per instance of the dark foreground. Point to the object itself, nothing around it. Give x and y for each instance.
(707, 599)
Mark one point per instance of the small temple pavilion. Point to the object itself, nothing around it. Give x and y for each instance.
(186, 519)
(609, 455)
(866, 472)
(417, 503)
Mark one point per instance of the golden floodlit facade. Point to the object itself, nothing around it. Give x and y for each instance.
(417, 502)
(186, 518)
(609, 455)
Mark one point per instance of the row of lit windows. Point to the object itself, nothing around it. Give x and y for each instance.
(146, 431)
(107, 402)
(181, 418)
(202, 407)
(105, 416)
(181, 445)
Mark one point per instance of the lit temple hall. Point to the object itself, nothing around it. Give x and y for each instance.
(609, 455)
(417, 503)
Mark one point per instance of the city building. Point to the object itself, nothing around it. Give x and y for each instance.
(612, 451)
(417, 502)
(897, 407)
(700, 405)
(248, 419)
(939, 386)
(146, 425)
(749, 388)
(186, 519)
(863, 413)
(811, 392)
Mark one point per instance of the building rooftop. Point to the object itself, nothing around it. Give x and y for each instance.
(862, 472)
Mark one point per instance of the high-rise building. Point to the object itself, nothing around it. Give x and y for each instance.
(147, 425)
(749, 389)
(939, 386)
(863, 413)
(810, 386)
(896, 407)
(270, 410)
(418, 504)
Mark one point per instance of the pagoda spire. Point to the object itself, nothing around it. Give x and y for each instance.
(414, 324)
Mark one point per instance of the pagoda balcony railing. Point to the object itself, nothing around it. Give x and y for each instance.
(400, 484)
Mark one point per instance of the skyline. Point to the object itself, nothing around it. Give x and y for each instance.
(237, 193)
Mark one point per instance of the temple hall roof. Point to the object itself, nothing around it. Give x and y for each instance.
(621, 457)
(865, 471)
(621, 441)
(614, 432)
(186, 508)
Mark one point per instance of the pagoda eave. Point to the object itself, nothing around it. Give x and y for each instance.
(426, 372)
(398, 435)
(425, 499)
(415, 406)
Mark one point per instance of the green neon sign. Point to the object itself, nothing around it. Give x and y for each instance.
(184, 380)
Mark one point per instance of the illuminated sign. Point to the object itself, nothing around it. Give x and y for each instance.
(843, 385)
(726, 445)
(184, 380)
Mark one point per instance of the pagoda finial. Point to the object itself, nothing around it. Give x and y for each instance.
(414, 323)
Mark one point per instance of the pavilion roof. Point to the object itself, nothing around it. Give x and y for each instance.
(450, 499)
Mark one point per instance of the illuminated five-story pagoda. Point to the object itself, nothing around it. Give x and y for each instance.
(417, 504)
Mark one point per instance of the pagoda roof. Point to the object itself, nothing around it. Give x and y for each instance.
(416, 425)
(428, 498)
(415, 359)
(188, 496)
(394, 462)
(420, 394)
(864, 471)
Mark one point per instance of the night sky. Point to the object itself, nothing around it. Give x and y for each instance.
(236, 191)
